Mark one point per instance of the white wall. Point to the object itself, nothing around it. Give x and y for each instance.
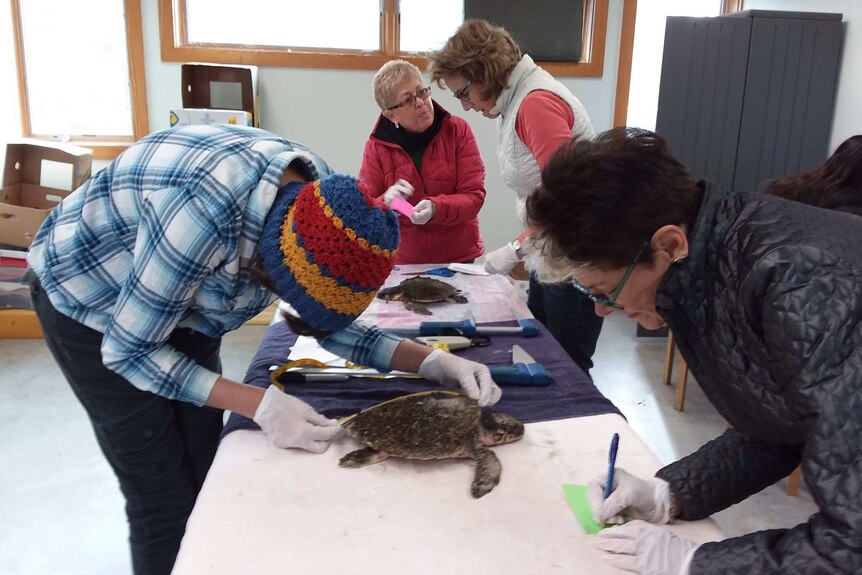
(333, 112)
(848, 110)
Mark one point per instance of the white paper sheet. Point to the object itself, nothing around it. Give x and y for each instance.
(490, 298)
(265, 510)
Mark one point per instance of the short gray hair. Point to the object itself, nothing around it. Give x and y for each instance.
(389, 76)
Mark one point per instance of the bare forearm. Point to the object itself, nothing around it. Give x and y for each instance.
(237, 397)
(409, 356)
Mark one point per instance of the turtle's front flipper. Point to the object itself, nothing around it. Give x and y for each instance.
(362, 457)
(417, 308)
(488, 469)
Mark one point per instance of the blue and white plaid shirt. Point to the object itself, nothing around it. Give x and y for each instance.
(162, 238)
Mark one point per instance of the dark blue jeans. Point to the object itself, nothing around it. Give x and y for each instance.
(159, 449)
(571, 318)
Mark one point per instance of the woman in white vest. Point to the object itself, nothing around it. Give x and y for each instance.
(536, 114)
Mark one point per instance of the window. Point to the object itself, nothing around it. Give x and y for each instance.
(649, 48)
(80, 72)
(364, 34)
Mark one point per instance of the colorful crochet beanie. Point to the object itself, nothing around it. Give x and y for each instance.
(328, 248)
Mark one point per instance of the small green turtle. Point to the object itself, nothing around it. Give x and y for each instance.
(432, 425)
(419, 290)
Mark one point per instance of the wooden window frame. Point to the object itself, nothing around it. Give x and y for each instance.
(175, 46)
(104, 148)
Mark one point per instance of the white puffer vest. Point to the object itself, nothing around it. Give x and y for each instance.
(520, 170)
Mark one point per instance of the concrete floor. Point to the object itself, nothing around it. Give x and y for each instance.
(61, 511)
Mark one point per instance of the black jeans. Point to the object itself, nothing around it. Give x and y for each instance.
(571, 318)
(159, 449)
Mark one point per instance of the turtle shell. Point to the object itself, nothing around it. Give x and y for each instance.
(425, 425)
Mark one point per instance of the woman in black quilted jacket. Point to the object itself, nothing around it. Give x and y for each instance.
(764, 297)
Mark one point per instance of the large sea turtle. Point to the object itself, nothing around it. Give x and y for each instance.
(421, 290)
(433, 425)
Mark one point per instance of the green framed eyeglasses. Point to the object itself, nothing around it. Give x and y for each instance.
(611, 300)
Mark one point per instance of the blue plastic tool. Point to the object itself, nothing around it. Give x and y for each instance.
(523, 371)
(612, 461)
(525, 374)
(442, 272)
(468, 327)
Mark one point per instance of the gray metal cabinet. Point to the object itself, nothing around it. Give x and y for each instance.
(749, 96)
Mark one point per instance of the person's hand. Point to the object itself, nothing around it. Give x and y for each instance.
(474, 378)
(400, 189)
(647, 549)
(423, 212)
(290, 422)
(501, 260)
(632, 497)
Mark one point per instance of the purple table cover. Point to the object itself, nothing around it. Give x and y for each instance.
(570, 394)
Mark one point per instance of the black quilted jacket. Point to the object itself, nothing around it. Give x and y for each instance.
(767, 311)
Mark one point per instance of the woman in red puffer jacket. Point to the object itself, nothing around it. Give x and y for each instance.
(421, 153)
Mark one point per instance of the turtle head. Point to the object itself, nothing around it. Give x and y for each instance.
(499, 428)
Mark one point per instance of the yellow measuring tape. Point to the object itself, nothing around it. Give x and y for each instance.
(308, 362)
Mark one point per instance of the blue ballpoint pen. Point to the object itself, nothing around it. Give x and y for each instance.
(612, 460)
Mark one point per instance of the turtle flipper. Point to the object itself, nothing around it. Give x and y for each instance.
(487, 473)
(362, 457)
(417, 308)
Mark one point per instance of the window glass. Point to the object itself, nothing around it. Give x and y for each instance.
(427, 25)
(334, 24)
(77, 68)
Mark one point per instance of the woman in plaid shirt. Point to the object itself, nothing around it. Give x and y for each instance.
(136, 276)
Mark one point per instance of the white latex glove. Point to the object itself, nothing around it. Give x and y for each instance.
(636, 498)
(400, 189)
(290, 422)
(647, 549)
(501, 260)
(423, 212)
(474, 378)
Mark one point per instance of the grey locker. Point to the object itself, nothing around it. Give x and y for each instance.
(749, 96)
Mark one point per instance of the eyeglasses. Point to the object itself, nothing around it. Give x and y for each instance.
(463, 93)
(420, 94)
(611, 300)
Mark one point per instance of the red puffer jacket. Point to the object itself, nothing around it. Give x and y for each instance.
(453, 177)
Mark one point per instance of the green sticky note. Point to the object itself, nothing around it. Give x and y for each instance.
(576, 496)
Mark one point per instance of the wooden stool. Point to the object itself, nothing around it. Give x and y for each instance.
(681, 378)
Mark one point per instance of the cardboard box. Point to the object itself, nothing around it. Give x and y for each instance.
(196, 116)
(19, 324)
(221, 88)
(37, 176)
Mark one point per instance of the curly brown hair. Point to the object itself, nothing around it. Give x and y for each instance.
(601, 199)
(479, 52)
(834, 184)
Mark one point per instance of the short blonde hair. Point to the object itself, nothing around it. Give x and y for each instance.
(391, 75)
(480, 53)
